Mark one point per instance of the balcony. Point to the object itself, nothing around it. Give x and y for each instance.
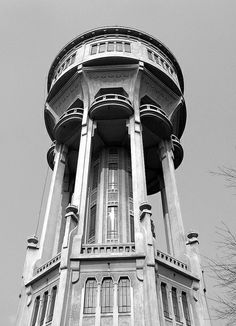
(67, 130)
(178, 151)
(110, 107)
(51, 155)
(156, 121)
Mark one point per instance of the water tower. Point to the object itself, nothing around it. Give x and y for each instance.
(115, 112)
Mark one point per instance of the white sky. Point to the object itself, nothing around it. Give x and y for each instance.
(200, 33)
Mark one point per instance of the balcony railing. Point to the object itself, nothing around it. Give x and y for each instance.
(111, 106)
(151, 108)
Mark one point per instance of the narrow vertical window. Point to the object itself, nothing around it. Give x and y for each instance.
(107, 296)
(52, 303)
(131, 228)
(35, 311)
(112, 223)
(43, 312)
(175, 304)
(150, 55)
(90, 297)
(186, 309)
(95, 176)
(72, 58)
(124, 302)
(112, 176)
(92, 224)
(94, 49)
(164, 299)
(130, 184)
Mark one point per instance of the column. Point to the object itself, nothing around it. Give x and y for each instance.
(54, 204)
(138, 177)
(169, 240)
(172, 201)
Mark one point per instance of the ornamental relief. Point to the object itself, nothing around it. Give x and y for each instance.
(110, 79)
(66, 97)
(160, 94)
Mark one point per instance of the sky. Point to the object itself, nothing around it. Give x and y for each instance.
(201, 34)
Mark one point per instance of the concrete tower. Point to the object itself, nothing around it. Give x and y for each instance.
(115, 113)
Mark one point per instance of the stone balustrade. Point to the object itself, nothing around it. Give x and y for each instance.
(98, 249)
(52, 262)
(170, 260)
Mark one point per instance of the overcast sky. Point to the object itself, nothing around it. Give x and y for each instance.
(200, 33)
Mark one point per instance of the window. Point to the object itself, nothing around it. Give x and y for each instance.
(92, 224)
(52, 303)
(119, 47)
(164, 300)
(95, 176)
(112, 223)
(112, 175)
(186, 309)
(150, 55)
(102, 47)
(35, 311)
(111, 46)
(94, 49)
(131, 228)
(107, 296)
(127, 47)
(130, 184)
(175, 304)
(90, 297)
(45, 302)
(124, 303)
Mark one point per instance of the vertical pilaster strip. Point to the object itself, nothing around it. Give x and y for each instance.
(172, 200)
(52, 213)
(115, 311)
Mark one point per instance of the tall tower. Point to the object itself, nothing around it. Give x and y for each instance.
(115, 113)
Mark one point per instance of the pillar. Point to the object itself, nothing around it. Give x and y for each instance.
(54, 204)
(175, 228)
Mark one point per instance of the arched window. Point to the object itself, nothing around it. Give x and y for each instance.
(164, 300)
(175, 304)
(35, 311)
(186, 309)
(52, 303)
(124, 302)
(43, 312)
(107, 296)
(90, 297)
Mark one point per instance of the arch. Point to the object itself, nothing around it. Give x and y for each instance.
(111, 90)
(148, 100)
